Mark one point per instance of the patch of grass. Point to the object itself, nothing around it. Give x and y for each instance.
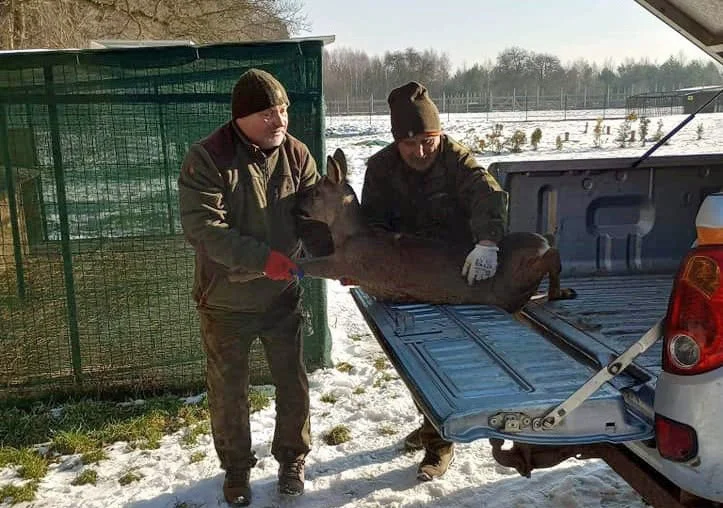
(329, 398)
(143, 433)
(387, 430)
(356, 337)
(190, 438)
(383, 379)
(344, 367)
(85, 425)
(85, 477)
(380, 363)
(69, 442)
(129, 477)
(31, 466)
(258, 400)
(359, 390)
(94, 456)
(337, 435)
(196, 457)
(19, 493)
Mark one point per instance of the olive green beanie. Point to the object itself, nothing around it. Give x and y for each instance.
(412, 111)
(255, 91)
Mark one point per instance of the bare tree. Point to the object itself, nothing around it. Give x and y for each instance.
(72, 23)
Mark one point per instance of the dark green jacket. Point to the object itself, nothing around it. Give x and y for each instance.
(236, 203)
(456, 199)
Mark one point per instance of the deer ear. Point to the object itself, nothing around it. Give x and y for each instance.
(340, 158)
(333, 172)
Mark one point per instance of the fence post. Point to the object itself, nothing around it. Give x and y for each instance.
(12, 203)
(607, 100)
(514, 98)
(166, 169)
(64, 226)
(347, 104)
(371, 108)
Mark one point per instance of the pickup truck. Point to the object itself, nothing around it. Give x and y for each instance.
(631, 371)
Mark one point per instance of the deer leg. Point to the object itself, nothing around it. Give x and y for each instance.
(554, 267)
(321, 268)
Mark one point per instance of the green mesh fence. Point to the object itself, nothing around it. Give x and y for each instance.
(95, 275)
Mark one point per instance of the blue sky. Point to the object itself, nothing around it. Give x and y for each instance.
(476, 30)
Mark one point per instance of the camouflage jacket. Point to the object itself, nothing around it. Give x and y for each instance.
(236, 204)
(455, 200)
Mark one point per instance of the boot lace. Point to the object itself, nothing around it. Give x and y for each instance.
(293, 469)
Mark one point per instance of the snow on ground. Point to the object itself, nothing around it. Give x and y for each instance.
(372, 469)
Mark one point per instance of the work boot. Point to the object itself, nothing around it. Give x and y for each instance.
(435, 464)
(291, 476)
(236, 489)
(413, 441)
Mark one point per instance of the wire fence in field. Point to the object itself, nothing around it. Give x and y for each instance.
(560, 106)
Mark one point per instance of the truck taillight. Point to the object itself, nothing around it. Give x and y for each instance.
(694, 323)
(675, 441)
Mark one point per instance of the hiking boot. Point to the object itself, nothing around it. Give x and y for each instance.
(434, 464)
(236, 489)
(291, 476)
(413, 441)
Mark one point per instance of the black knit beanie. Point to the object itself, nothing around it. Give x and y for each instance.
(412, 111)
(255, 91)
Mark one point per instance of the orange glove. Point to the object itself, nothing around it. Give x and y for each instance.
(280, 267)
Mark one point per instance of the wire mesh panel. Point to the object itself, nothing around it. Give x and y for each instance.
(656, 103)
(95, 275)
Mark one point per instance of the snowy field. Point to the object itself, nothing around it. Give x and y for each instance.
(372, 469)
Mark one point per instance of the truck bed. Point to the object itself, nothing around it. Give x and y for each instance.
(614, 311)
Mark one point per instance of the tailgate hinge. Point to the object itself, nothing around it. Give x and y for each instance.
(615, 367)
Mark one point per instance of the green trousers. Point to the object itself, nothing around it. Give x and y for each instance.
(227, 339)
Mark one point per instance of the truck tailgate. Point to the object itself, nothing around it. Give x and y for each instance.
(467, 364)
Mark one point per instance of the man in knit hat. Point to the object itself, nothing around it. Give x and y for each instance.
(427, 184)
(236, 192)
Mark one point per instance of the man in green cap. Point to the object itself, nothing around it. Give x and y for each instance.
(427, 184)
(237, 191)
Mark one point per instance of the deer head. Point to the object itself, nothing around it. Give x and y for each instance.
(332, 202)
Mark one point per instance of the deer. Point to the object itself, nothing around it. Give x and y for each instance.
(402, 268)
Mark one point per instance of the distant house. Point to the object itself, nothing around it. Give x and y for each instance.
(675, 102)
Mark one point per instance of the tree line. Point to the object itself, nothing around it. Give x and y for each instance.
(73, 23)
(353, 73)
(347, 72)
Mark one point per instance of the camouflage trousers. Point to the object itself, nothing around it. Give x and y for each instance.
(227, 340)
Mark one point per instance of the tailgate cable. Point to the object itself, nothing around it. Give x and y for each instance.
(615, 367)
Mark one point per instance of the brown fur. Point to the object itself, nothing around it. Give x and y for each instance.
(403, 268)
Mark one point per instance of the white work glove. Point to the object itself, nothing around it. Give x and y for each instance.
(481, 263)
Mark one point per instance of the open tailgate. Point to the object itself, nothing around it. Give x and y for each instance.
(466, 364)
